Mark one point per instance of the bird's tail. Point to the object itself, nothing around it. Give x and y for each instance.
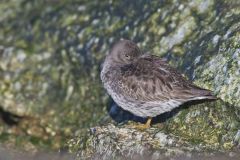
(203, 94)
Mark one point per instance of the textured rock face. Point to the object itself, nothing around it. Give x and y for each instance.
(222, 72)
(201, 38)
(51, 52)
(203, 131)
(124, 142)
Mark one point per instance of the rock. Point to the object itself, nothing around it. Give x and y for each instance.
(11, 154)
(50, 62)
(222, 72)
(212, 124)
(36, 88)
(124, 142)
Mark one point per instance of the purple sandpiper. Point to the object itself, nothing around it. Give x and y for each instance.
(145, 84)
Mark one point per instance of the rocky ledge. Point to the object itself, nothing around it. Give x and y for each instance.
(124, 142)
(204, 131)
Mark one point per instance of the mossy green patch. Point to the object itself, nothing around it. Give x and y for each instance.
(213, 124)
(51, 55)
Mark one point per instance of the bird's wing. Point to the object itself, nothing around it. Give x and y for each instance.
(150, 78)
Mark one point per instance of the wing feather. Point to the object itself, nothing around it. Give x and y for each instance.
(150, 78)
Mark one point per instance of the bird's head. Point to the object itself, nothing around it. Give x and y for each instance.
(124, 52)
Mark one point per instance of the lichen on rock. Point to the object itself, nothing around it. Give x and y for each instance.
(212, 124)
(50, 61)
(124, 142)
(222, 72)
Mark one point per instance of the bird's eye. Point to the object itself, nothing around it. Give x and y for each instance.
(127, 56)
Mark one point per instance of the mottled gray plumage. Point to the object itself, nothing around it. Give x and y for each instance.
(145, 84)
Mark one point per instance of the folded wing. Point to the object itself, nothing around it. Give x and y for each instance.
(151, 79)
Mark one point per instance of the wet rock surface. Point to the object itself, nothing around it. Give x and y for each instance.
(124, 142)
(51, 54)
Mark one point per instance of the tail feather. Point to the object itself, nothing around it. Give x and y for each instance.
(201, 93)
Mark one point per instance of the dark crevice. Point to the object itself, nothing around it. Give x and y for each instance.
(9, 118)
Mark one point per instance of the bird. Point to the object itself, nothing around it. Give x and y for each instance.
(145, 84)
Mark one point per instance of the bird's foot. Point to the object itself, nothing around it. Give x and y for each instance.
(142, 126)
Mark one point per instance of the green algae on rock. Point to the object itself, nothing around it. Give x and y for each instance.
(111, 141)
(222, 72)
(50, 58)
(212, 124)
(36, 88)
(124, 142)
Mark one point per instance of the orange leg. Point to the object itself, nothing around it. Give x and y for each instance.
(144, 126)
